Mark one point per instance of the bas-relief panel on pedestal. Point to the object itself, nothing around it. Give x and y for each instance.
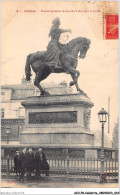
(87, 115)
(52, 117)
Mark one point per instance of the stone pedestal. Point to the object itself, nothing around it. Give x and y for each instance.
(60, 120)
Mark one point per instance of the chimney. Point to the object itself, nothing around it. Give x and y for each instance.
(63, 83)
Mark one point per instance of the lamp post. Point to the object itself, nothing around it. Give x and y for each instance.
(102, 115)
(7, 131)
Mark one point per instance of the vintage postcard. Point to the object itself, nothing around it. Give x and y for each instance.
(59, 97)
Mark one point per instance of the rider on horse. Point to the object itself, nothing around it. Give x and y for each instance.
(53, 49)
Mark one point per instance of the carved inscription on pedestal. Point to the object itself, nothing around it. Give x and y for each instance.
(52, 117)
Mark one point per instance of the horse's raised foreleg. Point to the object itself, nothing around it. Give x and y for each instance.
(75, 74)
(75, 79)
(76, 84)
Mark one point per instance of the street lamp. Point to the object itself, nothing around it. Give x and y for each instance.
(7, 131)
(102, 115)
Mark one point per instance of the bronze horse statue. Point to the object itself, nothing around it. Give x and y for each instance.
(68, 59)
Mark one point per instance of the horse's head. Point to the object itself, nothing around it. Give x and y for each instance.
(84, 46)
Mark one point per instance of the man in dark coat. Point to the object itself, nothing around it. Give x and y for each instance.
(41, 163)
(22, 161)
(30, 163)
(17, 162)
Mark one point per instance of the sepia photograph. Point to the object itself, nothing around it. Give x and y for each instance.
(59, 95)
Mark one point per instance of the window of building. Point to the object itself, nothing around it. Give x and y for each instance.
(2, 113)
(2, 152)
(2, 133)
(2, 95)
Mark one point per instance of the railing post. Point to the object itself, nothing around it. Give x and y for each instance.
(8, 163)
(2, 161)
(67, 165)
(102, 176)
(115, 167)
(66, 157)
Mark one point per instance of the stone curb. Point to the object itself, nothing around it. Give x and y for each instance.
(64, 179)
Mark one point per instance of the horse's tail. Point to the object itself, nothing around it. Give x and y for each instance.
(28, 68)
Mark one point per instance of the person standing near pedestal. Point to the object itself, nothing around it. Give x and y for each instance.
(30, 163)
(22, 161)
(17, 163)
(41, 163)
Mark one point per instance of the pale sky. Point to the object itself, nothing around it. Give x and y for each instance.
(24, 33)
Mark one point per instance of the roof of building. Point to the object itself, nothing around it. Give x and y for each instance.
(27, 88)
(32, 86)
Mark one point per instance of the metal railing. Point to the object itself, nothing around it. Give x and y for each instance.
(71, 166)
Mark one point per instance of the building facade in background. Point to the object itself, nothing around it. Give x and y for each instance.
(13, 95)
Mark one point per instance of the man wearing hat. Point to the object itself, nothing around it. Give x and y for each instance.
(23, 161)
(30, 163)
(17, 162)
(41, 163)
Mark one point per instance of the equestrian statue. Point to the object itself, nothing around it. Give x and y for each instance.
(59, 58)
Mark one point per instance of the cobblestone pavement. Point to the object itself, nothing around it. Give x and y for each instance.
(15, 183)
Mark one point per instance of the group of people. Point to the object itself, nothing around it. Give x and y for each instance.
(30, 163)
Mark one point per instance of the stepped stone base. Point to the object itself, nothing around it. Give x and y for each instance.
(57, 119)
